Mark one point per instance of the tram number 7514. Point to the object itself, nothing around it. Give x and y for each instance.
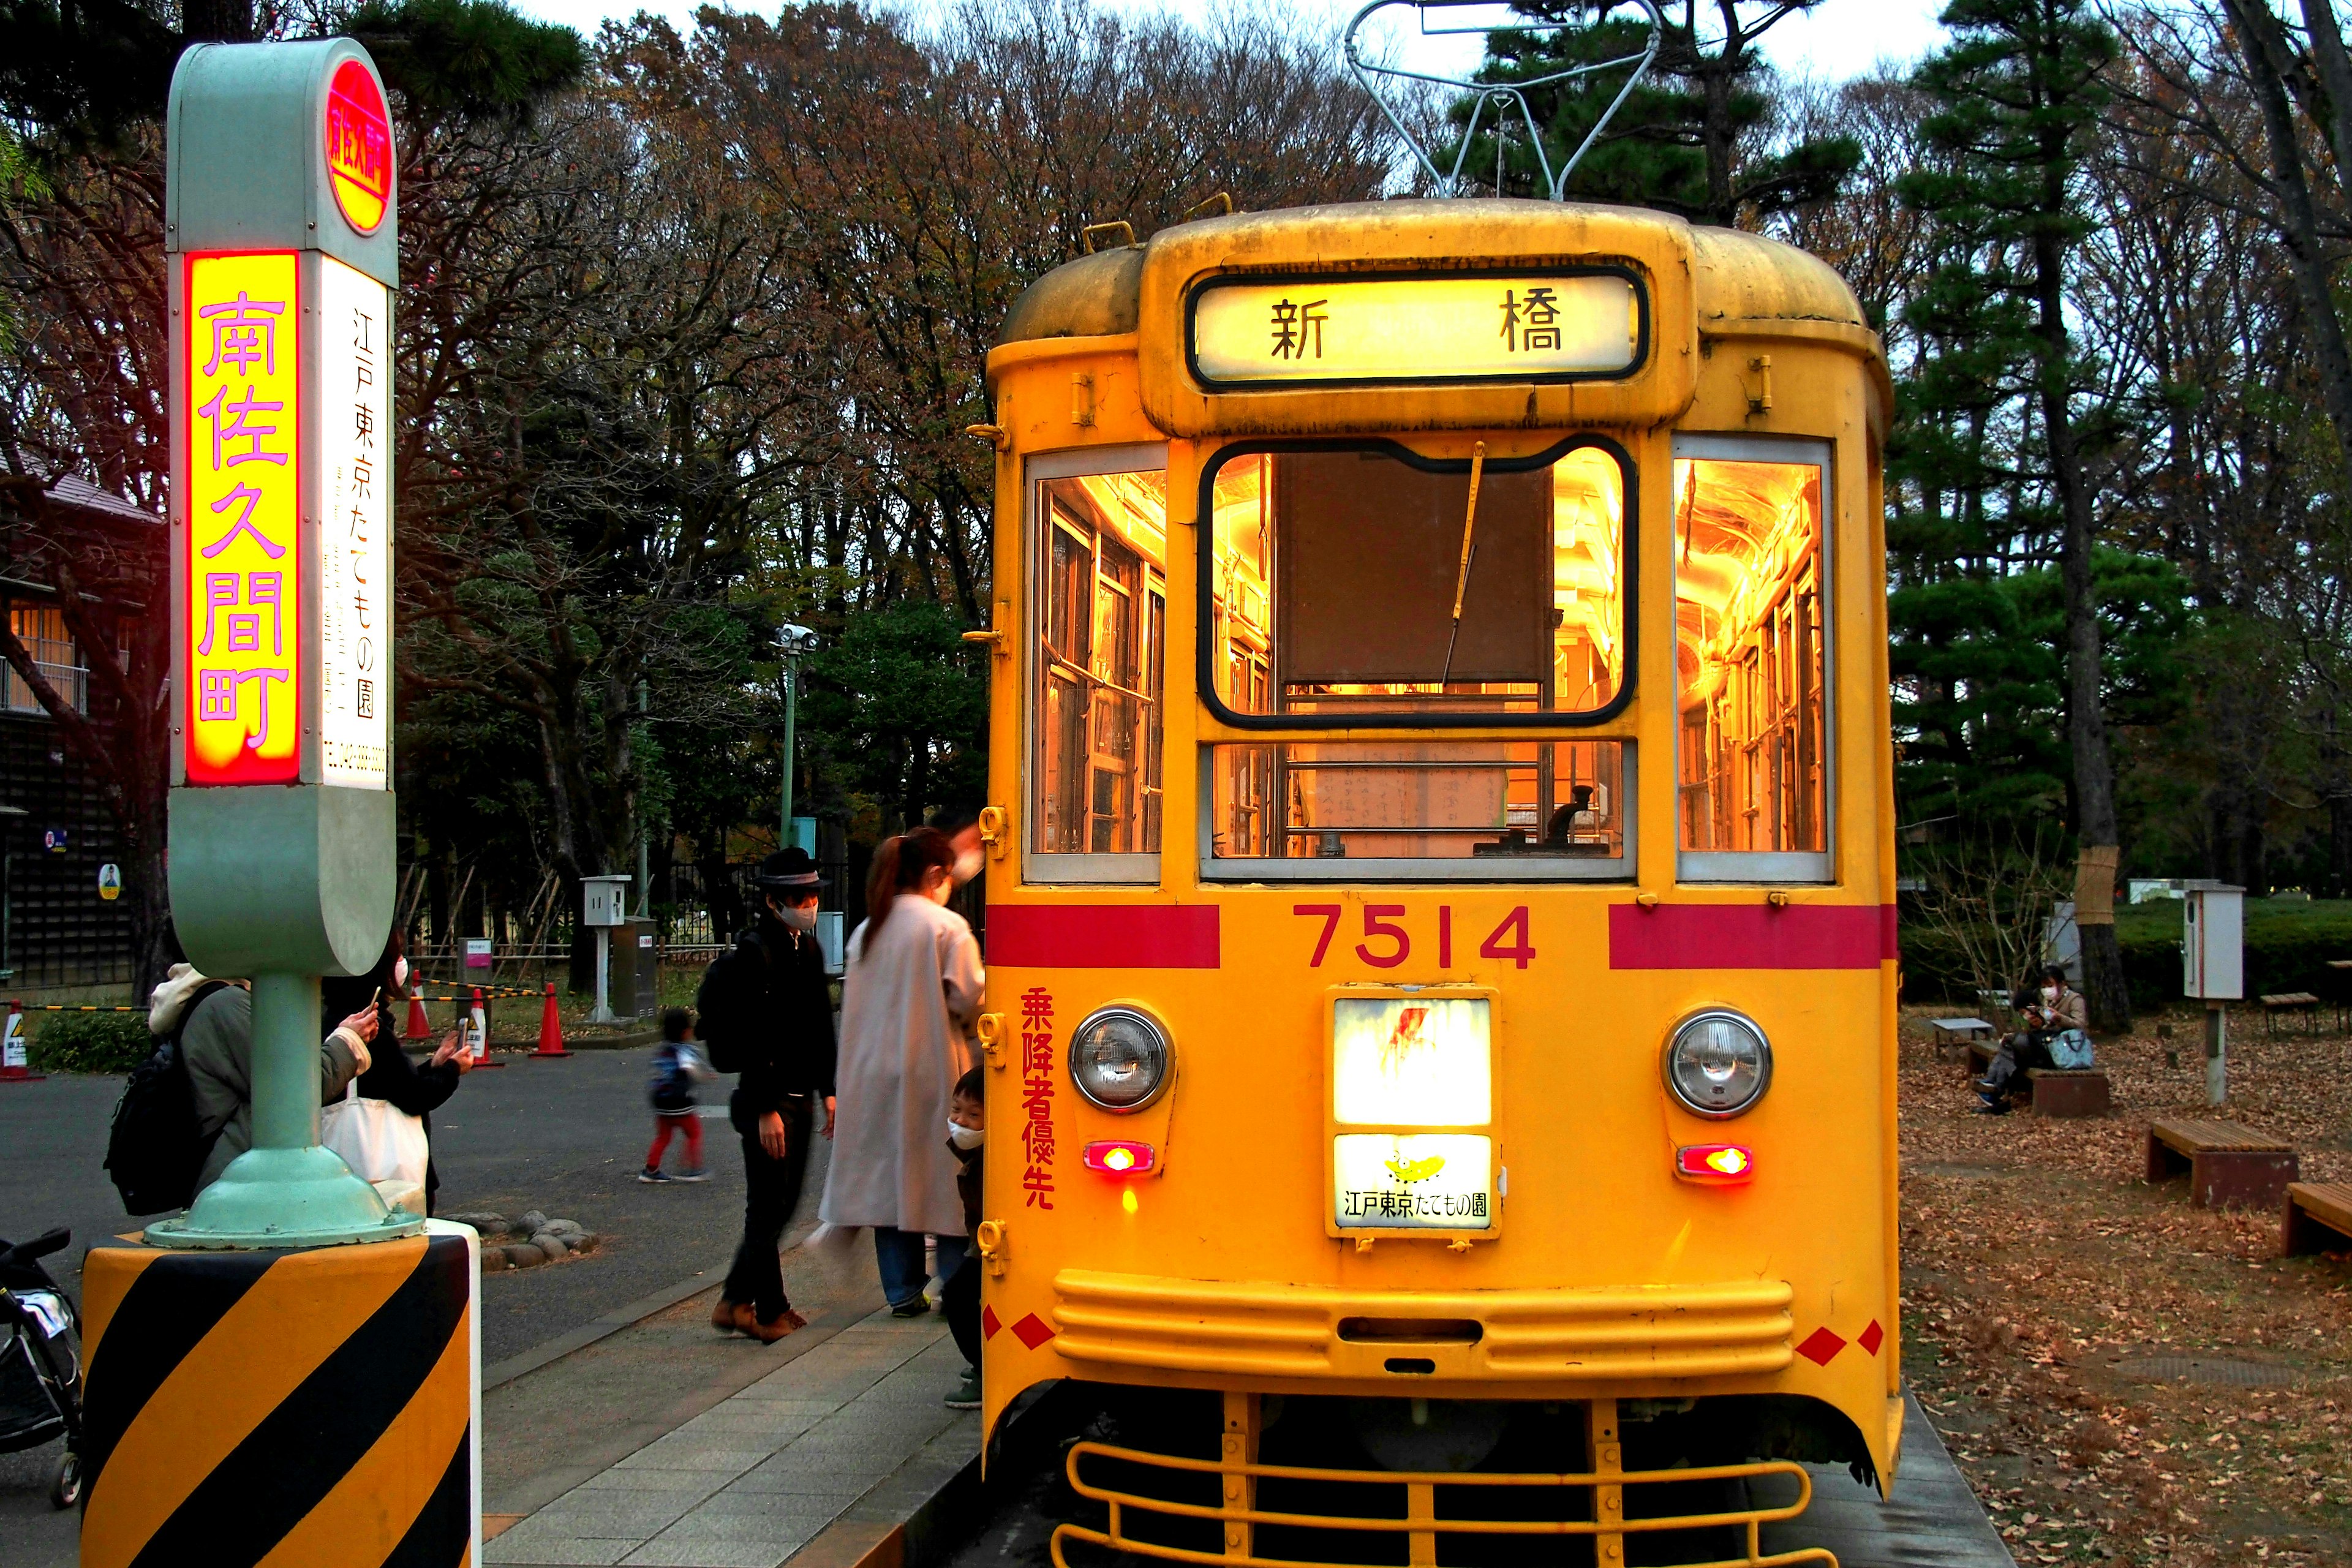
(1387, 943)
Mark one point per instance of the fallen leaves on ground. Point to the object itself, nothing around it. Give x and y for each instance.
(2042, 1271)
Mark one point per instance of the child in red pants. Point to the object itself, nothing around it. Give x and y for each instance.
(678, 1066)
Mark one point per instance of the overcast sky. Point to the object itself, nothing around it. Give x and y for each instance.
(1839, 39)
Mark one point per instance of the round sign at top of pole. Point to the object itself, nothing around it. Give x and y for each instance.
(359, 146)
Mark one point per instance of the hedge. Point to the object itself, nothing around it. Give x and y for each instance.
(91, 1042)
(2288, 944)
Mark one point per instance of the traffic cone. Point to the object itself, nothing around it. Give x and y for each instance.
(477, 1020)
(551, 1027)
(12, 1049)
(419, 1028)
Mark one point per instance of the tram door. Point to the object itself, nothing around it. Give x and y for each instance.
(1104, 666)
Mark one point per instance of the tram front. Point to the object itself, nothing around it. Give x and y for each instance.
(1441, 987)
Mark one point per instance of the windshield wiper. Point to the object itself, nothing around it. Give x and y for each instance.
(1469, 549)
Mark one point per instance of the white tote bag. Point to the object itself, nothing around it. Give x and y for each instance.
(379, 1141)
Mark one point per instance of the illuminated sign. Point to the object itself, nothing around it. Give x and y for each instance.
(354, 527)
(1422, 1180)
(359, 146)
(1403, 1062)
(242, 640)
(1562, 325)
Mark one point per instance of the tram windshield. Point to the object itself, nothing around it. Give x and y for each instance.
(1337, 576)
(1748, 658)
(1361, 582)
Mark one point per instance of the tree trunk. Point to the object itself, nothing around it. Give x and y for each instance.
(2096, 839)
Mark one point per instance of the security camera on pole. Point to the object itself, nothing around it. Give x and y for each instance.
(267, 1345)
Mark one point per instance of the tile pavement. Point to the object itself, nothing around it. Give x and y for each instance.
(746, 1484)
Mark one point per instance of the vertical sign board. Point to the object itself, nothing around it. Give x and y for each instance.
(354, 528)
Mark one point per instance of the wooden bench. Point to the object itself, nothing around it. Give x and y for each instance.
(1977, 1057)
(2319, 1218)
(2302, 1002)
(2228, 1165)
(2059, 1093)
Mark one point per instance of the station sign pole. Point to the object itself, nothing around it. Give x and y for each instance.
(282, 250)
(283, 1396)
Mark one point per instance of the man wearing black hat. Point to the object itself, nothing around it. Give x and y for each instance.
(772, 1016)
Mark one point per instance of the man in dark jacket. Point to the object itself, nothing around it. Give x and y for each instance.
(775, 1025)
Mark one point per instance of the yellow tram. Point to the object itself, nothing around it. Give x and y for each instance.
(1440, 888)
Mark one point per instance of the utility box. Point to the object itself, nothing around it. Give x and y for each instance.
(637, 969)
(604, 900)
(2213, 941)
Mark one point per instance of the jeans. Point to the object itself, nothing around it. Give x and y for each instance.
(2021, 1050)
(772, 1190)
(900, 1255)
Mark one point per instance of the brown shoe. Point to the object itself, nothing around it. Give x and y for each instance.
(747, 1321)
(728, 1316)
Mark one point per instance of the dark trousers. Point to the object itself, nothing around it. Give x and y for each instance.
(2026, 1049)
(771, 1191)
(959, 1300)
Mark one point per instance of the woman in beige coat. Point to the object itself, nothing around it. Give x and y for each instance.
(908, 999)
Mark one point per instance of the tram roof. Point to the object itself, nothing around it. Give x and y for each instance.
(1739, 277)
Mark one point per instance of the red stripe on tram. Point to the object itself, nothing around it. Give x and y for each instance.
(1105, 936)
(1750, 936)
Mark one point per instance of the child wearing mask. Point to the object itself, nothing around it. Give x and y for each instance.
(967, 1130)
(677, 1068)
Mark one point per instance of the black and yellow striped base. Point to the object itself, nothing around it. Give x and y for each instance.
(310, 1407)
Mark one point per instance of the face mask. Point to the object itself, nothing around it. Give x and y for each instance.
(801, 919)
(965, 1138)
(399, 973)
(967, 866)
(2050, 992)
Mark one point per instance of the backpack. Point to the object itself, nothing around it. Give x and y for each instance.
(2070, 1050)
(729, 1006)
(672, 1088)
(154, 1152)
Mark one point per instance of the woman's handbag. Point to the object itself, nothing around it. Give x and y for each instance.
(379, 1141)
(2069, 1051)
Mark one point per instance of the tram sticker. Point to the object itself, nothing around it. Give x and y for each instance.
(1416, 1180)
(1569, 324)
(1412, 1061)
(1037, 1096)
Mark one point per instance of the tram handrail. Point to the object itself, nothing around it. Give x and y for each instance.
(1420, 1519)
(1502, 96)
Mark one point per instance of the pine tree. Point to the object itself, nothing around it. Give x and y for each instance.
(1686, 140)
(2017, 95)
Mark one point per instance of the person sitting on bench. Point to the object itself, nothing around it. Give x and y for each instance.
(2057, 1007)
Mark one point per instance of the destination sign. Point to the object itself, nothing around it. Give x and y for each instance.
(1490, 326)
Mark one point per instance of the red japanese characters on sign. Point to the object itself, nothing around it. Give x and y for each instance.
(243, 638)
(359, 146)
(1038, 1096)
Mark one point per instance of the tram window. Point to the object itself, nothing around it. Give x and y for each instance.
(1101, 669)
(1521, 808)
(1752, 772)
(1335, 574)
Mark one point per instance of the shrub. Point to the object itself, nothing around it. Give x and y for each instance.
(91, 1042)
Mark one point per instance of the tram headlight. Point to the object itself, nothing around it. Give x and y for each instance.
(1119, 1058)
(1718, 1063)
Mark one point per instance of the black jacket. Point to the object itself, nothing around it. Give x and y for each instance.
(789, 1049)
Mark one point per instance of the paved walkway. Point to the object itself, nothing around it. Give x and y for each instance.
(751, 1481)
(1931, 1521)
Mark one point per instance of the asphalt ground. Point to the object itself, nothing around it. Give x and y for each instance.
(567, 1137)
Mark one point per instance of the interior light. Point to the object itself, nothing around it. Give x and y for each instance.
(1120, 1157)
(1715, 1163)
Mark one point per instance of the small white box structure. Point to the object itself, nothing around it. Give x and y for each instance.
(604, 900)
(2213, 943)
(603, 904)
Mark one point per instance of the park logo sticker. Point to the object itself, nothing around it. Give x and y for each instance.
(359, 147)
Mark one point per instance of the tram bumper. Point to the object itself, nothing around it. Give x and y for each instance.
(1252, 1328)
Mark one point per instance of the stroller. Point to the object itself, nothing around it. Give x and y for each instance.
(40, 1361)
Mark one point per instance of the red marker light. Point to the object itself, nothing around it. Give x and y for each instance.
(1120, 1157)
(1715, 1163)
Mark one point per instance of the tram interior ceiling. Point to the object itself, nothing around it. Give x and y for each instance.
(1357, 582)
(1749, 657)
